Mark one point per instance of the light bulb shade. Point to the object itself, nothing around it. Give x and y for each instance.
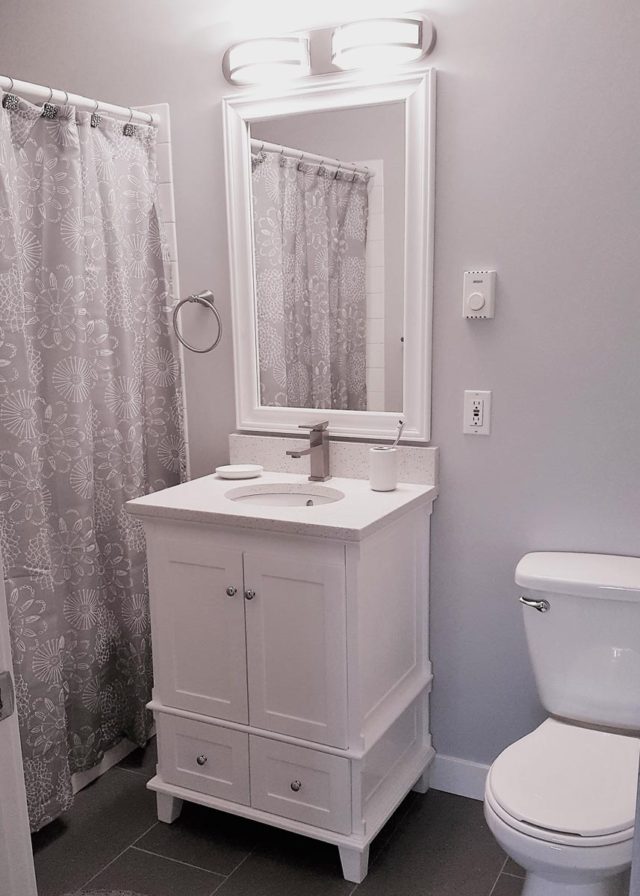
(381, 42)
(266, 60)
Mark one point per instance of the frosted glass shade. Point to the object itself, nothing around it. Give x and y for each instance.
(380, 42)
(267, 60)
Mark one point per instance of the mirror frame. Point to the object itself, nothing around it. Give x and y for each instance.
(416, 88)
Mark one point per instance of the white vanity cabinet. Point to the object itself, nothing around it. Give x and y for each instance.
(291, 672)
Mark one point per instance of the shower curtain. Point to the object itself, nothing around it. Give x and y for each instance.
(90, 416)
(310, 231)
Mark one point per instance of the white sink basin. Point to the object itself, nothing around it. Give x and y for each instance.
(285, 495)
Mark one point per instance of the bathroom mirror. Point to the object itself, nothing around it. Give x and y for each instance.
(330, 211)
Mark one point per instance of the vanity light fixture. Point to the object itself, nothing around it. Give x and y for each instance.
(267, 59)
(373, 43)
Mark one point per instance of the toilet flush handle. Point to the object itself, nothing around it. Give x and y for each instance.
(541, 605)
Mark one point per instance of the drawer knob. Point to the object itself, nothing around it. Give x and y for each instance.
(296, 786)
(201, 759)
(249, 594)
(232, 591)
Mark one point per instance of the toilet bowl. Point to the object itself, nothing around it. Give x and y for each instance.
(562, 800)
(561, 803)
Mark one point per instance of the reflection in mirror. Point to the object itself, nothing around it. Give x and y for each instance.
(328, 232)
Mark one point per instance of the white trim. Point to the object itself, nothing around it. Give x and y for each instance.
(416, 89)
(460, 776)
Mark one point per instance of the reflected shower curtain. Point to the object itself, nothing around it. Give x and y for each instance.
(90, 416)
(310, 231)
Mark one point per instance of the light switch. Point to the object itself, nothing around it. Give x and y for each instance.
(479, 294)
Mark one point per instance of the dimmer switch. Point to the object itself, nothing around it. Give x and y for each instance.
(479, 294)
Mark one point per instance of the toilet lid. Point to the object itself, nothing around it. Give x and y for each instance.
(569, 779)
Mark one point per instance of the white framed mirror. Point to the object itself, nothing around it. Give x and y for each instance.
(330, 205)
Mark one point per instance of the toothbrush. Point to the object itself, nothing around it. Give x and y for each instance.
(400, 428)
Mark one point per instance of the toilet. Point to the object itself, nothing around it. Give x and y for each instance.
(562, 800)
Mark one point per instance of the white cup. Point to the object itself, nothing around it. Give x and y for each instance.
(383, 468)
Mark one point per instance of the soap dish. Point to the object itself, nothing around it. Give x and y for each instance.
(239, 471)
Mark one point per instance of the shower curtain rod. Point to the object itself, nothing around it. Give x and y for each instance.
(310, 157)
(37, 92)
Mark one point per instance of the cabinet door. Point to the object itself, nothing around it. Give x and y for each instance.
(296, 646)
(198, 629)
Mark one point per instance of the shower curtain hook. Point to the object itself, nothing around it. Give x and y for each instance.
(338, 169)
(281, 162)
(66, 98)
(10, 101)
(129, 129)
(150, 114)
(96, 118)
(300, 161)
(49, 109)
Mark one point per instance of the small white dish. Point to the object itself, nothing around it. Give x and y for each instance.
(239, 471)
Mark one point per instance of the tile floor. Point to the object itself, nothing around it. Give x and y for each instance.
(434, 845)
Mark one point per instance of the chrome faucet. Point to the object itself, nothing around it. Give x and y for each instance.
(318, 450)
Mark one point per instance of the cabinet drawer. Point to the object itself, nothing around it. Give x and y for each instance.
(203, 757)
(302, 784)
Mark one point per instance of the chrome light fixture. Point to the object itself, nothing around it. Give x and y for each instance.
(375, 43)
(267, 59)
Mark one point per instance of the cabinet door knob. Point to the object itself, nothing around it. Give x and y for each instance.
(249, 594)
(201, 759)
(232, 591)
(296, 786)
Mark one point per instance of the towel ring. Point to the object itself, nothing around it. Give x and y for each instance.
(203, 298)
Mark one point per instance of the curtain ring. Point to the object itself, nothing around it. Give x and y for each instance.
(335, 176)
(12, 83)
(66, 98)
(129, 129)
(50, 97)
(300, 161)
(95, 115)
(150, 114)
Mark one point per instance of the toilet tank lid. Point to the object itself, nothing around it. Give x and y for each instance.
(590, 575)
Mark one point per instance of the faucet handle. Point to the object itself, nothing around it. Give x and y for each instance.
(315, 427)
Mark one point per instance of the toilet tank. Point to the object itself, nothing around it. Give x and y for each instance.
(585, 648)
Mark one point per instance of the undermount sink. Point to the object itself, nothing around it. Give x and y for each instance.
(285, 495)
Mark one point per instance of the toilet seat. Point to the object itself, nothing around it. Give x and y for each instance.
(567, 785)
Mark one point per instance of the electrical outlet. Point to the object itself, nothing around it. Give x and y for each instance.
(477, 413)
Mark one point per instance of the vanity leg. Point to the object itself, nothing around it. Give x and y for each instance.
(169, 807)
(355, 863)
(422, 784)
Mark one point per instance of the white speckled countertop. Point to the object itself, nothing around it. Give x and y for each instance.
(358, 514)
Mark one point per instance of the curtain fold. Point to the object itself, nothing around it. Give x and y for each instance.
(310, 231)
(90, 416)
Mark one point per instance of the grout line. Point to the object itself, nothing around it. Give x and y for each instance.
(134, 771)
(159, 855)
(511, 874)
(495, 883)
(115, 858)
(231, 873)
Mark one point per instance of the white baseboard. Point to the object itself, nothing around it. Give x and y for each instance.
(459, 776)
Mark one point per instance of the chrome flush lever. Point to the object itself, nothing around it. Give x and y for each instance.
(541, 605)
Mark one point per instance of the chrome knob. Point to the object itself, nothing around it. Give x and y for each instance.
(201, 759)
(296, 786)
(232, 591)
(249, 594)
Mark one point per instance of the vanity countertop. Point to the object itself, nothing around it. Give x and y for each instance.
(357, 515)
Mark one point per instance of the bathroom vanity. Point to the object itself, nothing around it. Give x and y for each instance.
(291, 652)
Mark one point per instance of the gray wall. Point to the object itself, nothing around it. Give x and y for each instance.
(538, 174)
(373, 132)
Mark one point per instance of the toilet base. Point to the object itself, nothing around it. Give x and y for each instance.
(618, 885)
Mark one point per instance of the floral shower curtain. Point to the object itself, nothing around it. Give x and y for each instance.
(90, 416)
(310, 231)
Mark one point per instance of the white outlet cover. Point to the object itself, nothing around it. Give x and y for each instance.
(477, 413)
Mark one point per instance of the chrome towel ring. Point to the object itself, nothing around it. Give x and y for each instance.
(203, 298)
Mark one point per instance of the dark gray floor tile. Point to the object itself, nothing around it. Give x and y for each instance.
(508, 885)
(151, 875)
(284, 863)
(203, 837)
(513, 868)
(442, 847)
(105, 818)
(142, 760)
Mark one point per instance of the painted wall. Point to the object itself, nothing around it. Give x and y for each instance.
(538, 175)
